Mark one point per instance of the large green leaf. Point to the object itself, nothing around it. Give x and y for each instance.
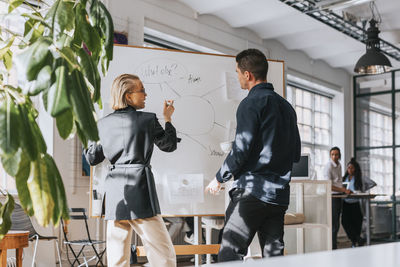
(103, 22)
(61, 17)
(31, 137)
(87, 32)
(91, 72)
(70, 57)
(82, 106)
(34, 58)
(42, 82)
(57, 191)
(51, 173)
(81, 135)
(34, 29)
(27, 142)
(7, 60)
(4, 50)
(57, 95)
(65, 123)
(5, 215)
(40, 191)
(11, 163)
(21, 182)
(13, 4)
(9, 126)
(37, 134)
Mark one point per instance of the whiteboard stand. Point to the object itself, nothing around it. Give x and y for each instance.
(197, 238)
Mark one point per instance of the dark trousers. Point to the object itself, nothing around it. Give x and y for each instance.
(245, 216)
(352, 220)
(336, 210)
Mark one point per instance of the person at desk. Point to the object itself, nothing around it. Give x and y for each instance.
(267, 142)
(351, 215)
(127, 138)
(333, 172)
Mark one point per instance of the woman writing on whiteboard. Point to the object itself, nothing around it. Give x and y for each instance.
(127, 138)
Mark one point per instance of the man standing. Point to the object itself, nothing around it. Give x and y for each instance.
(266, 144)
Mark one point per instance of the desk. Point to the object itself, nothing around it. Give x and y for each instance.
(13, 240)
(386, 255)
(367, 197)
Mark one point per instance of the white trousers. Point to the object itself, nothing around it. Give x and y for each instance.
(154, 235)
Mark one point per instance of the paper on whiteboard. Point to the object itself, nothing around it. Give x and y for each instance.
(233, 89)
(186, 188)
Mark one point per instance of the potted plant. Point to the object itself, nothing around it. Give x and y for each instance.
(60, 51)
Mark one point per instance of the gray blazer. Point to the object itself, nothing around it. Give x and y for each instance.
(127, 138)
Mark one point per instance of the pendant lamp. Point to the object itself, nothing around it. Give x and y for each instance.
(373, 61)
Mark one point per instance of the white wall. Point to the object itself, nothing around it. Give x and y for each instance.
(174, 18)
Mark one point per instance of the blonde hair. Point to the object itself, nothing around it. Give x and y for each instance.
(123, 84)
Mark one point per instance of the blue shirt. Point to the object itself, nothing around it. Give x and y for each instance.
(266, 144)
(352, 188)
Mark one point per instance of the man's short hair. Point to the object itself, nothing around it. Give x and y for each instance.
(336, 148)
(254, 61)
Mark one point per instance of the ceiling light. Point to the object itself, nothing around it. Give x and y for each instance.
(373, 61)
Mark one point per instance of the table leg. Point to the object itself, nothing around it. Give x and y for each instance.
(368, 223)
(18, 256)
(197, 238)
(3, 257)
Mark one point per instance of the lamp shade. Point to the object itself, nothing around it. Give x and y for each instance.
(373, 61)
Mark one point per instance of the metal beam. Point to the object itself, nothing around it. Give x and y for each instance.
(338, 23)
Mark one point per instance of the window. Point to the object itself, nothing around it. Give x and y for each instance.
(314, 118)
(153, 38)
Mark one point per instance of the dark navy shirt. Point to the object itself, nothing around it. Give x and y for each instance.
(266, 144)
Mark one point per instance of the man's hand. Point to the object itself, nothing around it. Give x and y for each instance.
(213, 187)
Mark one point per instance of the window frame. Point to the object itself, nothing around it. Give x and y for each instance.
(313, 146)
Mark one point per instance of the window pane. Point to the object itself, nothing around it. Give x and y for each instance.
(307, 99)
(306, 133)
(325, 121)
(326, 140)
(374, 120)
(317, 136)
(299, 112)
(397, 116)
(317, 102)
(377, 164)
(373, 83)
(299, 97)
(326, 104)
(307, 117)
(317, 119)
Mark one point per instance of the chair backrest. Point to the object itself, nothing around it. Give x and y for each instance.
(77, 214)
(21, 221)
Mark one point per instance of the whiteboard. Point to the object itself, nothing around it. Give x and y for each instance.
(206, 94)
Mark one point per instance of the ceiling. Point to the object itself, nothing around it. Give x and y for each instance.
(272, 19)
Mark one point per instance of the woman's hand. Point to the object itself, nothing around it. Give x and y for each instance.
(168, 110)
(347, 191)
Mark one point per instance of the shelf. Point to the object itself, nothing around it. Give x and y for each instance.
(306, 226)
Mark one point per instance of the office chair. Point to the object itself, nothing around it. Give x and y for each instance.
(80, 214)
(21, 222)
